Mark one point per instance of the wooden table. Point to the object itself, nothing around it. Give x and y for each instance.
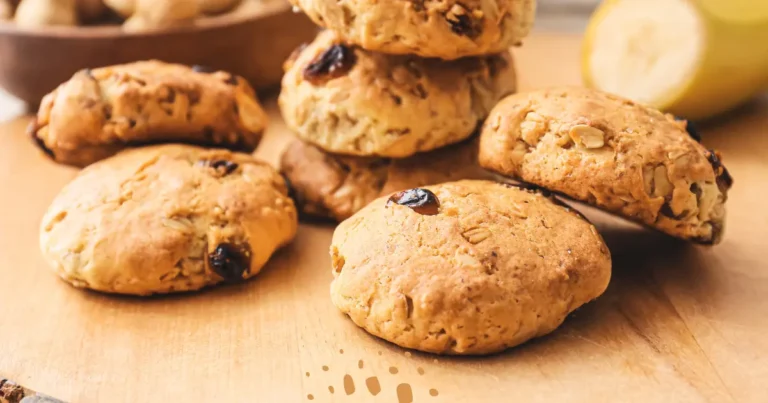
(678, 322)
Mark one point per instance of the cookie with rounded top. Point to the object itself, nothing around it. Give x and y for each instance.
(618, 155)
(468, 267)
(346, 100)
(101, 111)
(166, 219)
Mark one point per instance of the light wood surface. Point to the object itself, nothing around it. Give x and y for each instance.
(678, 322)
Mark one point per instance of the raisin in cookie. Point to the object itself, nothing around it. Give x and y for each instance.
(613, 153)
(447, 29)
(350, 101)
(101, 111)
(166, 219)
(335, 186)
(468, 267)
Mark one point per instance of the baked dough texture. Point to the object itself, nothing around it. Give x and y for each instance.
(488, 266)
(346, 100)
(335, 186)
(101, 111)
(613, 153)
(446, 29)
(166, 219)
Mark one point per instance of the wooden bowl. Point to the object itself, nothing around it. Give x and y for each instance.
(34, 61)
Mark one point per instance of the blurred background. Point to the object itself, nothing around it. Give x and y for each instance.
(553, 15)
(693, 58)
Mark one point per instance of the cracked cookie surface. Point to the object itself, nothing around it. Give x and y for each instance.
(613, 153)
(445, 29)
(350, 101)
(166, 219)
(99, 112)
(335, 186)
(468, 267)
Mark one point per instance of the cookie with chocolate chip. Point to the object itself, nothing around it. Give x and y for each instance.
(101, 111)
(468, 267)
(347, 100)
(337, 186)
(167, 218)
(618, 155)
(447, 29)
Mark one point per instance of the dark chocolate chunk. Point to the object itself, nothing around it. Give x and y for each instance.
(422, 201)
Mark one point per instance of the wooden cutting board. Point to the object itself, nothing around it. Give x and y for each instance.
(678, 322)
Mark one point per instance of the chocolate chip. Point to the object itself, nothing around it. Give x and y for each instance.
(202, 69)
(691, 129)
(724, 178)
(225, 167)
(333, 63)
(32, 132)
(422, 201)
(232, 262)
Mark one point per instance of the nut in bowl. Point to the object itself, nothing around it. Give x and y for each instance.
(251, 40)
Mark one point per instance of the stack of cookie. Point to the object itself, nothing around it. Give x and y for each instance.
(159, 218)
(392, 85)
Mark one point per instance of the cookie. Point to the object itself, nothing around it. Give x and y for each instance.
(334, 186)
(468, 267)
(447, 30)
(154, 14)
(613, 153)
(346, 100)
(101, 111)
(167, 218)
(39, 13)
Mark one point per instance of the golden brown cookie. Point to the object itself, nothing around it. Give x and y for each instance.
(167, 219)
(610, 152)
(468, 267)
(336, 186)
(101, 111)
(446, 29)
(346, 100)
